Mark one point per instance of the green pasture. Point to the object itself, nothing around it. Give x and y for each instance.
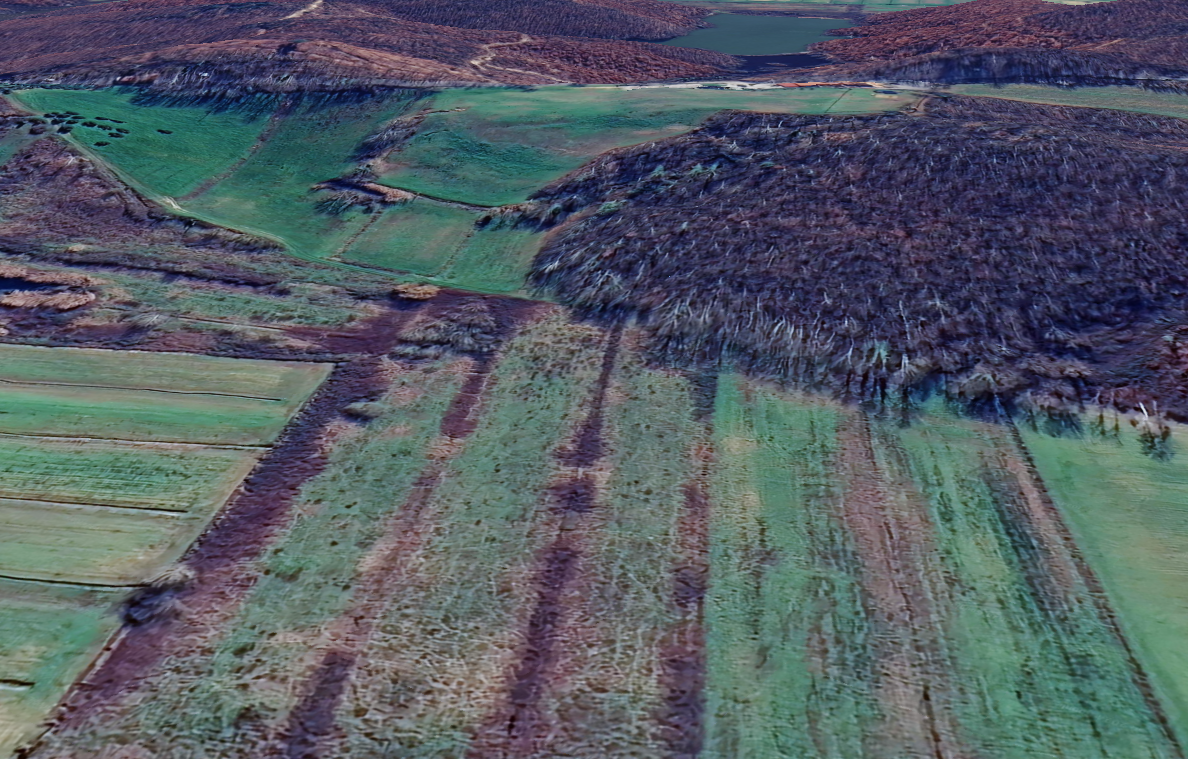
(494, 260)
(270, 193)
(199, 144)
(1020, 663)
(493, 147)
(1115, 98)
(787, 651)
(419, 238)
(73, 392)
(193, 480)
(442, 243)
(1129, 514)
(273, 192)
(178, 373)
(490, 147)
(47, 636)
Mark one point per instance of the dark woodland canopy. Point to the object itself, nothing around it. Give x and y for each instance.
(993, 243)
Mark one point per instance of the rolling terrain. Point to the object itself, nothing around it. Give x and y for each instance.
(1004, 41)
(366, 391)
(285, 45)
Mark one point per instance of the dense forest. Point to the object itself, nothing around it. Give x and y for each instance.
(1010, 65)
(286, 45)
(1000, 250)
(610, 19)
(1139, 31)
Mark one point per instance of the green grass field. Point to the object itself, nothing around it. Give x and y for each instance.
(127, 475)
(273, 191)
(47, 636)
(495, 147)
(420, 238)
(1015, 656)
(270, 193)
(787, 648)
(168, 150)
(1115, 98)
(1129, 513)
(498, 146)
(67, 392)
(93, 512)
(442, 244)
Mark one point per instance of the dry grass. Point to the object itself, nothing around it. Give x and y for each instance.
(59, 301)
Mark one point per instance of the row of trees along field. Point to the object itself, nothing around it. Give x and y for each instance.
(1003, 250)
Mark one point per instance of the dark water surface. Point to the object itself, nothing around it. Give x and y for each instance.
(738, 34)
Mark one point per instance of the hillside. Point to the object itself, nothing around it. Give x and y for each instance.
(996, 248)
(284, 45)
(1124, 39)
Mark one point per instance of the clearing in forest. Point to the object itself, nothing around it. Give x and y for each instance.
(111, 464)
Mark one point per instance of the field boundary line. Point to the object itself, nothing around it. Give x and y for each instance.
(87, 504)
(127, 441)
(37, 383)
(72, 583)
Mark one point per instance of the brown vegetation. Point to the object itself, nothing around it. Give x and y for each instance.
(52, 195)
(287, 45)
(997, 248)
(1019, 40)
(57, 301)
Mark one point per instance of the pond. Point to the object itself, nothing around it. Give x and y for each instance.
(739, 34)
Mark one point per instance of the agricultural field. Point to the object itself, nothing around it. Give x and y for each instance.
(557, 550)
(111, 464)
(1129, 514)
